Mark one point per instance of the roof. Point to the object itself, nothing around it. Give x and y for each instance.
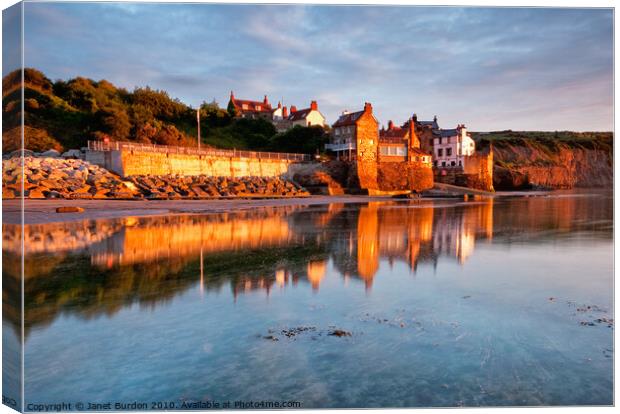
(418, 151)
(393, 133)
(300, 114)
(251, 105)
(448, 132)
(434, 124)
(348, 119)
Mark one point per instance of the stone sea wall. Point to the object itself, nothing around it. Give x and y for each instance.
(135, 162)
(477, 172)
(48, 177)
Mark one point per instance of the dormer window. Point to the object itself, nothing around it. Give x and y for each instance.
(258, 107)
(244, 106)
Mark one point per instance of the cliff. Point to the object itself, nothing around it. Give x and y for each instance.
(523, 162)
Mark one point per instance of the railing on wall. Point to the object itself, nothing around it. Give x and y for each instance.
(233, 153)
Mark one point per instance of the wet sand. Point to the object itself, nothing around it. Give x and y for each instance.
(44, 211)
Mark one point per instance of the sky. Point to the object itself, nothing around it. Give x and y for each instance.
(488, 68)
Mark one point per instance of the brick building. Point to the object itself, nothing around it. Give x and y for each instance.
(355, 134)
(250, 109)
(385, 162)
(398, 144)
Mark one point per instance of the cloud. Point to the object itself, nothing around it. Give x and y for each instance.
(492, 68)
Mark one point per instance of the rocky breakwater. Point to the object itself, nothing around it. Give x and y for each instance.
(47, 177)
(176, 186)
(51, 177)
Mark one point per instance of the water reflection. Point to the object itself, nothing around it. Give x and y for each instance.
(98, 267)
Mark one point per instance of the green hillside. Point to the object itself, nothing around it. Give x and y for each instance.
(545, 140)
(66, 114)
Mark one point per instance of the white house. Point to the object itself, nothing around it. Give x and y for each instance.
(452, 146)
(306, 117)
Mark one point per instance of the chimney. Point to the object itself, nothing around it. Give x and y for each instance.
(232, 96)
(314, 106)
(368, 107)
(345, 112)
(284, 112)
(265, 101)
(293, 109)
(390, 125)
(435, 118)
(415, 117)
(279, 104)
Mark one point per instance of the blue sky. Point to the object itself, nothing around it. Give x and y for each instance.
(490, 68)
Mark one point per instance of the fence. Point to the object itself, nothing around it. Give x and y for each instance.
(233, 153)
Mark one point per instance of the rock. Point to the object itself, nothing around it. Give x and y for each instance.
(69, 209)
(52, 153)
(18, 153)
(339, 333)
(72, 153)
(34, 193)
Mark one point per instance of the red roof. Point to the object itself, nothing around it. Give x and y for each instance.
(393, 133)
(252, 106)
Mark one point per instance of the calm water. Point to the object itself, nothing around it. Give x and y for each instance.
(499, 302)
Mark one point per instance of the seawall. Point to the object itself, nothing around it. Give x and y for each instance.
(135, 159)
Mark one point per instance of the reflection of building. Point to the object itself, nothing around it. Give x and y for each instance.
(368, 243)
(316, 272)
(456, 234)
(260, 251)
(414, 235)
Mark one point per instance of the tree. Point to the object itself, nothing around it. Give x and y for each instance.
(114, 121)
(214, 116)
(232, 111)
(305, 140)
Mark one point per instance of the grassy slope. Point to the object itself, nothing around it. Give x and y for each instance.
(546, 140)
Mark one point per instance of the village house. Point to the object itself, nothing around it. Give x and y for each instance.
(307, 117)
(397, 144)
(426, 132)
(250, 109)
(385, 162)
(310, 116)
(452, 147)
(347, 132)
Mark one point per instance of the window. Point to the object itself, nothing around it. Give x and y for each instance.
(453, 163)
(244, 106)
(440, 152)
(337, 131)
(258, 107)
(460, 163)
(448, 151)
(443, 163)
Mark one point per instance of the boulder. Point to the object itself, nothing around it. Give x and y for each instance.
(52, 153)
(72, 153)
